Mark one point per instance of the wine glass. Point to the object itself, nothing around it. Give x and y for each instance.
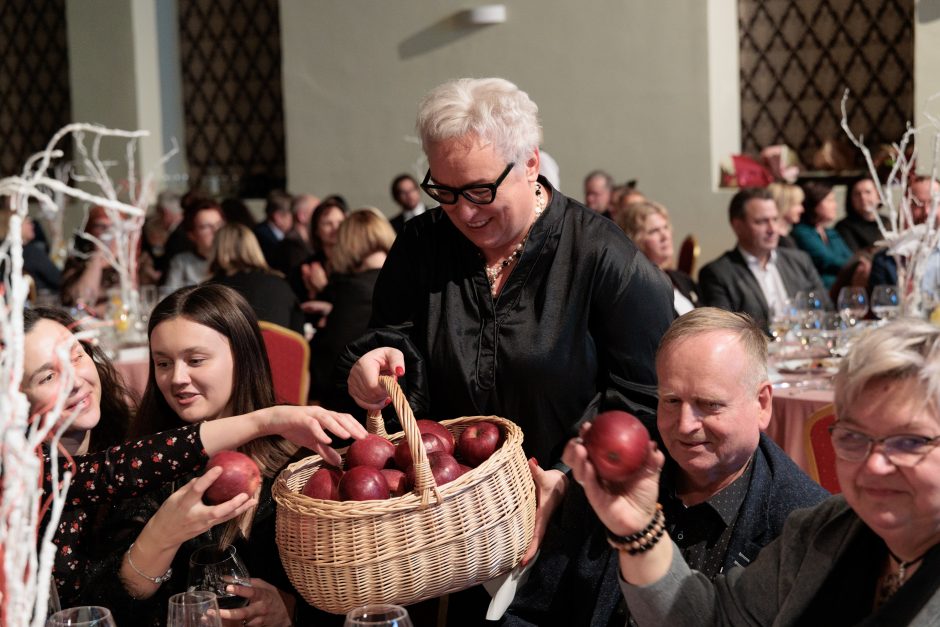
(782, 320)
(192, 609)
(885, 303)
(214, 569)
(379, 615)
(85, 616)
(853, 304)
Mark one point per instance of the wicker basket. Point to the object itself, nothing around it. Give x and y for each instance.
(430, 542)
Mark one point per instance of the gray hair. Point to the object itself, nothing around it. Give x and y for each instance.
(904, 349)
(709, 319)
(492, 109)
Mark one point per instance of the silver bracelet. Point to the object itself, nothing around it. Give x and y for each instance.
(157, 580)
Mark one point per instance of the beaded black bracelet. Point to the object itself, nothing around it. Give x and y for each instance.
(642, 540)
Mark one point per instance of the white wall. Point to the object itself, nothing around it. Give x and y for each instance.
(637, 88)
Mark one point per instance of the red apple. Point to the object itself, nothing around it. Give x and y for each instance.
(324, 484)
(478, 442)
(444, 468)
(617, 444)
(464, 469)
(372, 450)
(432, 444)
(396, 480)
(432, 426)
(239, 474)
(363, 483)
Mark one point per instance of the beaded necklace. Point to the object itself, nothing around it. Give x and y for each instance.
(494, 271)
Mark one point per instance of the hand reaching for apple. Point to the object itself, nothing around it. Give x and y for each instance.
(550, 487)
(363, 381)
(307, 426)
(632, 508)
(265, 606)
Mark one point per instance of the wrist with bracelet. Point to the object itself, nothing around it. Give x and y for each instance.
(644, 539)
(157, 580)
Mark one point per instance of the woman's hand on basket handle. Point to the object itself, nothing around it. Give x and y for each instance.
(363, 381)
(305, 425)
(550, 487)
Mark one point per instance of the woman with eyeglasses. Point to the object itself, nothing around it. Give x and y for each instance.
(509, 298)
(870, 556)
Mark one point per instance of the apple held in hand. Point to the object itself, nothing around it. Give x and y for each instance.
(372, 450)
(431, 426)
(444, 469)
(324, 484)
(432, 444)
(617, 444)
(363, 483)
(478, 442)
(239, 474)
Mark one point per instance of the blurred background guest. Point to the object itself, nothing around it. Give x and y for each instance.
(201, 220)
(815, 236)
(237, 212)
(36, 262)
(310, 278)
(859, 228)
(406, 195)
(598, 186)
(362, 244)
(87, 275)
(236, 261)
(789, 200)
(162, 238)
(647, 224)
(295, 248)
(278, 221)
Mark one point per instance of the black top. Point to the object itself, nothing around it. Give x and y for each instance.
(36, 263)
(858, 232)
(578, 320)
(351, 297)
(269, 295)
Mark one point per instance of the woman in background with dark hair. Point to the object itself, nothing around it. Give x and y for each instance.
(324, 225)
(203, 340)
(237, 261)
(859, 228)
(815, 235)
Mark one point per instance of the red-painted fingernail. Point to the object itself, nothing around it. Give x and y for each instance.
(388, 401)
(399, 371)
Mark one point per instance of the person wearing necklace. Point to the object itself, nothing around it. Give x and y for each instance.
(509, 298)
(870, 556)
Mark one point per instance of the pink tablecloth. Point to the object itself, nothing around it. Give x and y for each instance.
(791, 408)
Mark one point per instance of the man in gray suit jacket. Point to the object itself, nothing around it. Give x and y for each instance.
(756, 276)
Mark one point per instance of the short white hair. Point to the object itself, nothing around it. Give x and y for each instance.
(906, 348)
(492, 109)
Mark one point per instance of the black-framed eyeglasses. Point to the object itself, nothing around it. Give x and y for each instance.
(478, 194)
(902, 450)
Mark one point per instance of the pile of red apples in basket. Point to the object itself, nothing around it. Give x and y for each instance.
(378, 469)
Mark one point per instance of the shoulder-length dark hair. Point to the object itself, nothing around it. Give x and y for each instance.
(115, 402)
(328, 204)
(225, 311)
(814, 193)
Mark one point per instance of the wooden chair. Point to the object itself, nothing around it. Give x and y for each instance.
(820, 456)
(688, 255)
(289, 356)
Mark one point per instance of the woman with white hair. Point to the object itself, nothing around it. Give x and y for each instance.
(509, 298)
(870, 556)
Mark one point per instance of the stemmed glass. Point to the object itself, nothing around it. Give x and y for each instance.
(86, 616)
(382, 615)
(809, 309)
(885, 303)
(853, 304)
(196, 608)
(214, 569)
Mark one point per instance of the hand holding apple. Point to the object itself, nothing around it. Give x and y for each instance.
(239, 475)
(617, 444)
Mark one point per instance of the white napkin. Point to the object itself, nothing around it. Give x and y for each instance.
(503, 589)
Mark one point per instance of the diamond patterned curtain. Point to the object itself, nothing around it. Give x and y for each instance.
(34, 79)
(797, 58)
(230, 51)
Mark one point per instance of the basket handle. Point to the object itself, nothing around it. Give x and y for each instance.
(424, 480)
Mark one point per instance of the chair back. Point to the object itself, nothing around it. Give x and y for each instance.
(688, 255)
(289, 356)
(821, 457)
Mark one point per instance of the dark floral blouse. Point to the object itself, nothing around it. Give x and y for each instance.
(118, 472)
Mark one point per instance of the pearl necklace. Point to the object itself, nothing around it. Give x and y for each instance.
(494, 271)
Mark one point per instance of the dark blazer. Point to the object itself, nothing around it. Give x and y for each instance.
(576, 582)
(686, 286)
(269, 295)
(398, 223)
(269, 243)
(727, 282)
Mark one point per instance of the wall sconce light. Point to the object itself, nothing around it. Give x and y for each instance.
(487, 14)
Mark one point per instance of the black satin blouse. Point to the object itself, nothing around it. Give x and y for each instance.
(576, 324)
